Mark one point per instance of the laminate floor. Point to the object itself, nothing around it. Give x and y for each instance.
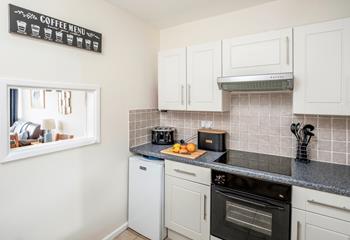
(129, 234)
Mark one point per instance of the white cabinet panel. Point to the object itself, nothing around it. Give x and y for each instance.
(318, 227)
(187, 79)
(298, 224)
(310, 226)
(203, 69)
(269, 52)
(188, 172)
(319, 216)
(187, 208)
(322, 68)
(172, 79)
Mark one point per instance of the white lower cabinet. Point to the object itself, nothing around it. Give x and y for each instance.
(311, 226)
(313, 218)
(187, 205)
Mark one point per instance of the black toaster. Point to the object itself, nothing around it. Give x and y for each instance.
(163, 135)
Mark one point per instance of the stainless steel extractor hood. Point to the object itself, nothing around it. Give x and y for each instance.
(262, 82)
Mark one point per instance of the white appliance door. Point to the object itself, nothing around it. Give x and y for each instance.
(146, 190)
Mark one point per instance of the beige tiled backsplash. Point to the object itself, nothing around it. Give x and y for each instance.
(261, 123)
(140, 125)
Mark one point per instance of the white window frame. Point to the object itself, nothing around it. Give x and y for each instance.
(8, 155)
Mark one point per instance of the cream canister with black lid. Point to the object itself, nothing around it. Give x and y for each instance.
(212, 140)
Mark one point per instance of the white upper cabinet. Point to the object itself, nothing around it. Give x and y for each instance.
(172, 79)
(187, 79)
(203, 69)
(322, 68)
(263, 53)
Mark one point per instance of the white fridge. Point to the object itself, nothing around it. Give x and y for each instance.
(146, 197)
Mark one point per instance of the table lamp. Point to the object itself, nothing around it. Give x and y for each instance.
(47, 125)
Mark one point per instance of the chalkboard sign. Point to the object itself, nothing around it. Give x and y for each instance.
(32, 24)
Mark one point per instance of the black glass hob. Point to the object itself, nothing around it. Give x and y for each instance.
(257, 161)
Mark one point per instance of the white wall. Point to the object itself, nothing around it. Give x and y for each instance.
(72, 124)
(269, 16)
(81, 193)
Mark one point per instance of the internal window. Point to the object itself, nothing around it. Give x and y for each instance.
(40, 116)
(43, 118)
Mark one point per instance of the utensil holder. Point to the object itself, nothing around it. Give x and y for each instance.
(302, 152)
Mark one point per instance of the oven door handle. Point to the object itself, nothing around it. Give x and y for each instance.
(263, 205)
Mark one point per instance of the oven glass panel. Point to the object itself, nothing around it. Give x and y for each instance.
(249, 218)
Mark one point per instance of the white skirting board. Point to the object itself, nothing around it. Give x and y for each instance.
(116, 232)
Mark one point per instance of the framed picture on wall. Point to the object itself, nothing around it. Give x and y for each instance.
(37, 98)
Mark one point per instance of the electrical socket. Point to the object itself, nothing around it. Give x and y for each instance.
(206, 124)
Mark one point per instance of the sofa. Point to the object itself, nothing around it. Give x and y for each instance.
(27, 132)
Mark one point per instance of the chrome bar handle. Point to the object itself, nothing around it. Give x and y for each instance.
(205, 208)
(328, 205)
(189, 94)
(185, 172)
(287, 53)
(298, 230)
(182, 94)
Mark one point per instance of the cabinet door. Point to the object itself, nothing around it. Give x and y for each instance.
(298, 224)
(318, 227)
(203, 69)
(269, 52)
(172, 79)
(187, 208)
(322, 68)
(310, 226)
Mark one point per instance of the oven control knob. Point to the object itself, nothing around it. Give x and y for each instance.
(220, 179)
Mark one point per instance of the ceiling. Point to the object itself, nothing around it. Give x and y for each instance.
(167, 13)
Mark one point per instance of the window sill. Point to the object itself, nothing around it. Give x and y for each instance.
(41, 149)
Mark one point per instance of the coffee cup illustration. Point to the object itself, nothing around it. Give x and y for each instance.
(48, 33)
(59, 36)
(35, 30)
(95, 45)
(70, 38)
(80, 42)
(21, 27)
(88, 44)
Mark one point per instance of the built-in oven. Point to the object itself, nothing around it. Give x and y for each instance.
(244, 208)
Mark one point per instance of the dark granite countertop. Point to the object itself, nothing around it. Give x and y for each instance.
(316, 175)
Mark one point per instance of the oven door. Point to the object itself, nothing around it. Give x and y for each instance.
(237, 215)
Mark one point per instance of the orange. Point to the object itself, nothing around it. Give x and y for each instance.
(183, 151)
(191, 147)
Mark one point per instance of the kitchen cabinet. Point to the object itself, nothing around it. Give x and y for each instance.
(322, 68)
(319, 216)
(172, 79)
(187, 79)
(203, 69)
(187, 203)
(310, 226)
(263, 53)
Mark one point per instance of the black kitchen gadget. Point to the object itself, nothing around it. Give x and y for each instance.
(258, 161)
(212, 140)
(248, 208)
(163, 135)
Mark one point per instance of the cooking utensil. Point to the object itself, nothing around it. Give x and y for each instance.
(310, 134)
(294, 131)
(307, 133)
(309, 126)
